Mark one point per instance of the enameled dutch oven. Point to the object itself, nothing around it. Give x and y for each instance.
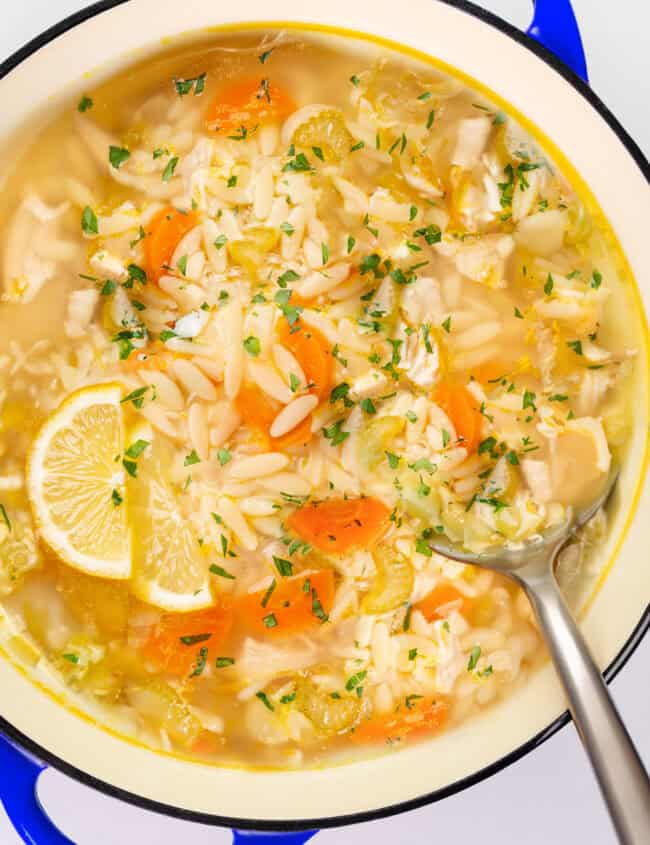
(547, 84)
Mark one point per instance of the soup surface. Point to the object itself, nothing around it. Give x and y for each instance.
(276, 312)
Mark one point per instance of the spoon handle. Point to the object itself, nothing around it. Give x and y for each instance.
(620, 773)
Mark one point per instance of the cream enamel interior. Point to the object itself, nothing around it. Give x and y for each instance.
(568, 120)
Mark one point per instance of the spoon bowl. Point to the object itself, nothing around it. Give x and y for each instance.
(533, 554)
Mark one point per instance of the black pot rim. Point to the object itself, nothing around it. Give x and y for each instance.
(610, 673)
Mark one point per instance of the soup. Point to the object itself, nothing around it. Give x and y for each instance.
(266, 331)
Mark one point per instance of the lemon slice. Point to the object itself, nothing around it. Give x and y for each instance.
(75, 483)
(169, 569)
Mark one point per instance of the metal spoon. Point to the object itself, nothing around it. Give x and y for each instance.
(620, 773)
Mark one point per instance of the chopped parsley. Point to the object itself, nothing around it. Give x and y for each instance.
(84, 104)
(200, 662)
(224, 457)
(335, 434)
(393, 460)
(170, 167)
(215, 569)
(108, 287)
(89, 224)
(136, 396)
(298, 164)
(185, 86)
(191, 459)
(253, 346)
(194, 639)
(263, 697)
(136, 449)
(529, 400)
(431, 234)
(286, 277)
(473, 658)
(182, 265)
(267, 595)
(117, 156)
(223, 662)
(284, 567)
(354, 680)
(317, 608)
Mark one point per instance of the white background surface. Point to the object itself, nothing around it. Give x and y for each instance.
(549, 797)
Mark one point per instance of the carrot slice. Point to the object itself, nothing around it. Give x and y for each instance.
(258, 411)
(463, 411)
(439, 602)
(163, 235)
(246, 104)
(339, 525)
(295, 605)
(490, 371)
(176, 641)
(313, 352)
(157, 358)
(416, 717)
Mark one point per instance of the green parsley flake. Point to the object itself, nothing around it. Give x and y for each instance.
(354, 680)
(108, 287)
(284, 567)
(170, 167)
(194, 639)
(136, 449)
(224, 457)
(117, 156)
(263, 697)
(191, 459)
(89, 224)
(215, 569)
(473, 658)
(253, 346)
(200, 662)
(335, 434)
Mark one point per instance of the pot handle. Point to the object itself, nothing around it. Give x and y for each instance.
(258, 837)
(20, 773)
(554, 26)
